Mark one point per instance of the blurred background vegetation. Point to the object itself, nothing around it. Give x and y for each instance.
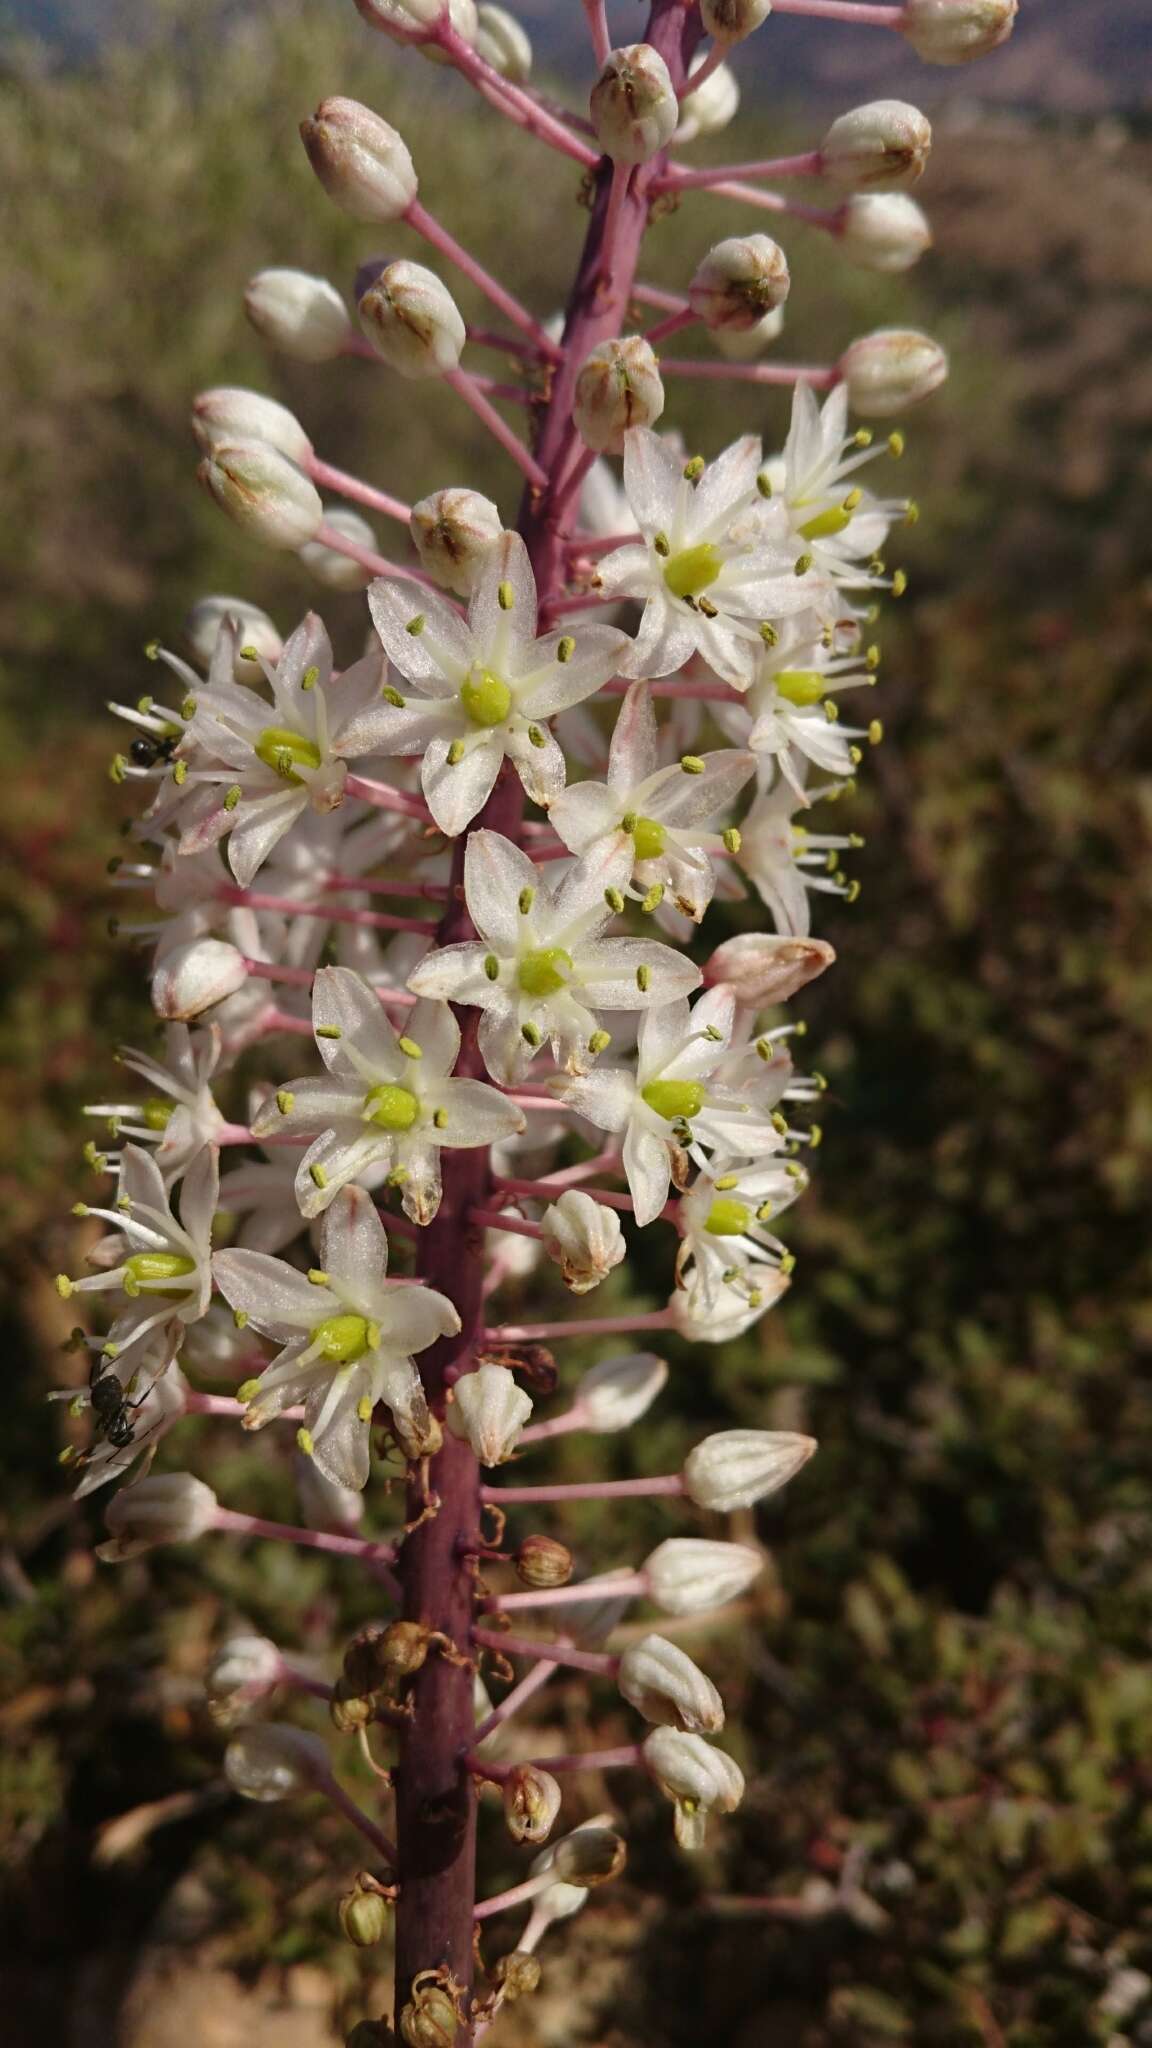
(943, 1696)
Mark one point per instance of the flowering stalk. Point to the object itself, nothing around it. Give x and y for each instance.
(449, 1048)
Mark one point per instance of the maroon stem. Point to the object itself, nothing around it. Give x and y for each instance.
(435, 1797)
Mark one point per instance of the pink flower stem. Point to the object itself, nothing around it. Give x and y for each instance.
(623, 1585)
(806, 166)
(618, 192)
(562, 607)
(438, 237)
(302, 1681)
(556, 1425)
(655, 295)
(512, 99)
(597, 1661)
(702, 73)
(545, 1190)
(602, 544)
(432, 892)
(501, 1902)
(843, 10)
(225, 1404)
(598, 26)
(301, 977)
(282, 1020)
(326, 478)
(674, 323)
(498, 1219)
(821, 378)
(467, 388)
(771, 202)
(340, 1799)
(386, 798)
(593, 1489)
(590, 1326)
(238, 1524)
(607, 1161)
(512, 1702)
(368, 920)
(330, 537)
(512, 345)
(625, 1758)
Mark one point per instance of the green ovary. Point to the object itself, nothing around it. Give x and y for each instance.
(146, 1268)
(544, 972)
(394, 1109)
(648, 837)
(693, 569)
(674, 1100)
(826, 524)
(342, 1339)
(485, 698)
(157, 1113)
(728, 1219)
(284, 751)
(801, 685)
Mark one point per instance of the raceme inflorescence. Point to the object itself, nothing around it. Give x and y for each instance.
(429, 924)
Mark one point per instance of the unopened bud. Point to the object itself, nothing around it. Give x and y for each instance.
(955, 31)
(729, 21)
(560, 1899)
(881, 147)
(407, 21)
(764, 968)
(254, 631)
(663, 1684)
(619, 387)
(739, 281)
(883, 231)
(328, 565)
(265, 493)
(271, 1761)
(584, 1237)
(412, 320)
(229, 414)
(737, 1467)
(688, 1573)
(302, 316)
(541, 1562)
(244, 1671)
(501, 40)
(617, 1393)
(696, 1777)
(890, 370)
(464, 18)
(362, 163)
(590, 1856)
(365, 1915)
(489, 1410)
(192, 978)
(744, 344)
(430, 2019)
(531, 1803)
(634, 105)
(516, 1975)
(167, 1507)
(706, 109)
(454, 532)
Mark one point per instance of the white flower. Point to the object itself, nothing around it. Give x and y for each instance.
(270, 1761)
(162, 1266)
(584, 1237)
(785, 860)
(618, 1392)
(484, 689)
(179, 1132)
(789, 717)
(726, 1240)
(734, 1468)
(688, 1573)
(267, 764)
(716, 563)
(387, 1100)
(663, 1684)
(663, 809)
(729, 1310)
(244, 1670)
(836, 523)
(696, 1777)
(489, 1411)
(163, 1404)
(168, 1507)
(348, 1336)
(540, 967)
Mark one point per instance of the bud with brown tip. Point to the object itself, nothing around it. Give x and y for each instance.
(729, 21)
(619, 387)
(881, 147)
(883, 231)
(263, 492)
(955, 31)
(738, 281)
(454, 532)
(542, 1562)
(634, 106)
(362, 163)
(412, 320)
(531, 1803)
(229, 414)
(890, 370)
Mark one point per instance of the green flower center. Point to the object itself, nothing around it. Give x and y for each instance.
(826, 524)
(342, 1339)
(800, 685)
(156, 1113)
(393, 1108)
(485, 698)
(675, 1100)
(284, 751)
(146, 1268)
(648, 837)
(545, 971)
(727, 1218)
(693, 569)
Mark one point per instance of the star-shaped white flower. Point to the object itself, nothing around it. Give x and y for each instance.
(188, 1120)
(160, 1265)
(348, 1335)
(789, 717)
(484, 688)
(726, 1242)
(664, 810)
(541, 968)
(785, 860)
(841, 526)
(387, 1100)
(717, 564)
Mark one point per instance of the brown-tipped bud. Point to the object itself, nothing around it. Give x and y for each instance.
(883, 231)
(590, 1857)
(739, 281)
(412, 320)
(403, 1648)
(763, 968)
(516, 1975)
(542, 1562)
(531, 1803)
(500, 38)
(881, 147)
(229, 415)
(264, 492)
(454, 532)
(729, 21)
(634, 106)
(302, 316)
(364, 1915)
(619, 387)
(955, 31)
(361, 162)
(430, 2019)
(890, 370)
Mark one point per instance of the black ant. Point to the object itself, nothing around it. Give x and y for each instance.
(147, 750)
(112, 1412)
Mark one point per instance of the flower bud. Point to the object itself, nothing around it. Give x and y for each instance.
(454, 532)
(687, 1573)
(884, 231)
(619, 387)
(696, 1777)
(464, 18)
(890, 370)
(412, 320)
(737, 1467)
(663, 1684)
(634, 105)
(430, 2019)
(489, 1410)
(881, 147)
(589, 1856)
(584, 1237)
(271, 1761)
(324, 1504)
(191, 978)
(407, 21)
(729, 21)
(763, 968)
(263, 492)
(302, 316)
(531, 1803)
(228, 415)
(503, 43)
(244, 1670)
(706, 109)
(168, 1507)
(739, 281)
(616, 1394)
(516, 1974)
(328, 565)
(541, 1562)
(254, 630)
(954, 31)
(361, 162)
(365, 1914)
(743, 345)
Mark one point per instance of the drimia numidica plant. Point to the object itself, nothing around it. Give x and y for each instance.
(575, 724)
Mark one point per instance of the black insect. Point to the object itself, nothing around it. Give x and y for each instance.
(111, 1411)
(147, 749)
